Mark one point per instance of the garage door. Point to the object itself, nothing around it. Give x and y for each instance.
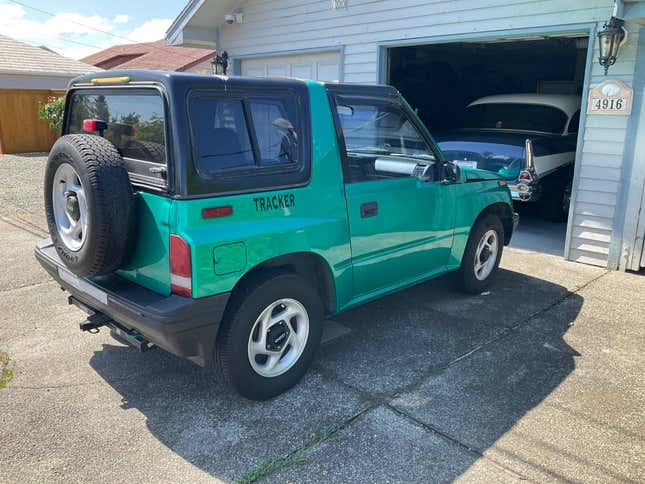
(319, 67)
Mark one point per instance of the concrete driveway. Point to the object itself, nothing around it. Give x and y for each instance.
(541, 379)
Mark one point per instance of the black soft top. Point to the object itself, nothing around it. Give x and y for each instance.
(181, 81)
(177, 87)
(178, 80)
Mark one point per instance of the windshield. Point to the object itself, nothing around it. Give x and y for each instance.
(510, 116)
(505, 160)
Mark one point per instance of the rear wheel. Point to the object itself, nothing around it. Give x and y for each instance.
(482, 255)
(269, 335)
(554, 204)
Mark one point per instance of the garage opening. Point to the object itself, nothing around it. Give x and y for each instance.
(537, 84)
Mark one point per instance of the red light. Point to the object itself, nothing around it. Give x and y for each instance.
(525, 175)
(215, 212)
(180, 267)
(94, 125)
(89, 125)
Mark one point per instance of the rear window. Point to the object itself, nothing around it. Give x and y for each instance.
(232, 134)
(133, 120)
(525, 117)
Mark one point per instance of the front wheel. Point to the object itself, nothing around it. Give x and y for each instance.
(481, 256)
(269, 335)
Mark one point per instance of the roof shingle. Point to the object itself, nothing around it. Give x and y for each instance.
(149, 55)
(19, 58)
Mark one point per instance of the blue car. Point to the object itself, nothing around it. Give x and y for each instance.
(529, 139)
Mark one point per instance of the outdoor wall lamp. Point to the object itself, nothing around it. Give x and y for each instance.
(610, 39)
(219, 64)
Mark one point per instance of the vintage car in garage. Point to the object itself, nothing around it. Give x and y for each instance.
(529, 139)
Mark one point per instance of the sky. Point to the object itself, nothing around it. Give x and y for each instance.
(73, 28)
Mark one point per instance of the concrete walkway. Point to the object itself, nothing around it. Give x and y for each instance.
(540, 379)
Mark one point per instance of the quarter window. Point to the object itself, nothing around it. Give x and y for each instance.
(232, 134)
(221, 134)
(274, 124)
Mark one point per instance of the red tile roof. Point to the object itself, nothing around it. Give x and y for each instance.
(150, 55)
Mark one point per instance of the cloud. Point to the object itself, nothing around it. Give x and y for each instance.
(150, 30)
(14, 23)
(121, 19)
(76, 35)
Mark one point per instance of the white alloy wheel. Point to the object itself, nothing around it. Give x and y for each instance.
(70, 207)
(486, 255)
(278, 338)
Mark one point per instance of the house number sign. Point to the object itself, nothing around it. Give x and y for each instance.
(611, 97)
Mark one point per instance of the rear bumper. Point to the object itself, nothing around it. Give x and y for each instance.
(183, 326)
(524, 192)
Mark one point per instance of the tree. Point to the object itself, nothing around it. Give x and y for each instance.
(52, 111)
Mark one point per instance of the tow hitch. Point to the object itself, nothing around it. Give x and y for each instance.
(96, 320)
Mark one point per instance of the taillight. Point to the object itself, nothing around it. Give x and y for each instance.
(94, 125)
(181, 281)
(526, 176)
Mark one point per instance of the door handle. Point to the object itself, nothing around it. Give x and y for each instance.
(369, 209)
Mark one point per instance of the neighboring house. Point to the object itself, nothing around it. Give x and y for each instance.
(28, 76)
(443, 55)
(154, 56)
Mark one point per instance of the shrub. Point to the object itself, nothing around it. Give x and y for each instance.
(52, 111)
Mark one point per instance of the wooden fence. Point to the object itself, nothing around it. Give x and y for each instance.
(20, 129)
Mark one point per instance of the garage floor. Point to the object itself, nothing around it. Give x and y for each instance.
(538, 235)
(539, 379)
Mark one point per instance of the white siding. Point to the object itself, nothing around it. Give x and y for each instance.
(289, 26)
(595, 196)
(272, 26)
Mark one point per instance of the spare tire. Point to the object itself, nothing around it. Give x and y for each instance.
(88, 203)
(144, 150)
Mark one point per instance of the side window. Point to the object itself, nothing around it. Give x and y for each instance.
(574, 124)
(381, 142)
(243, 132)
(221, 135)
(274, 122)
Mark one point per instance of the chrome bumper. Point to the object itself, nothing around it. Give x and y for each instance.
(524, 192)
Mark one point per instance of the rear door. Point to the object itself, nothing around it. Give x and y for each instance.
(133, 119)
(400, 223)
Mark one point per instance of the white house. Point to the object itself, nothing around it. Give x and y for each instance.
(443, 54)
(24, 66)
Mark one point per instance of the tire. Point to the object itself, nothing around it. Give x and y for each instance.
(554, 205)
(97, 172)
(241, 326)
(466, 278)
(145, 150)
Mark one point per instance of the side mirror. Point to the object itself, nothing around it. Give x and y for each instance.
(451, 172)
